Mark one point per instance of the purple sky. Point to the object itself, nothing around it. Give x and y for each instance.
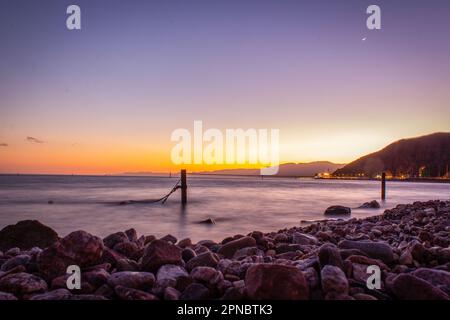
(106, 98)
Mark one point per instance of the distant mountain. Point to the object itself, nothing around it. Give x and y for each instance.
(425, 156)
(287, 169)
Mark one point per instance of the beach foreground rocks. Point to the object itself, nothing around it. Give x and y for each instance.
(409, 245)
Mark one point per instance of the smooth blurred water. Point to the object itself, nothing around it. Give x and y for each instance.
(237, 204)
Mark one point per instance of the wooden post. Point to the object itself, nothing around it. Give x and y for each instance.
(383, 186)
(183, 187)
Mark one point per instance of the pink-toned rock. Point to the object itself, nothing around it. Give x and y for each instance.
(131, 279)
(22, 284)
(409, 287)
(78, 248)
(125, 293)
(377, 250)
(229, 249)
(158, 253)
(7, 296)
(278, 282)
(333, 279)
(26, 235)
(439, 278)
(207, 259)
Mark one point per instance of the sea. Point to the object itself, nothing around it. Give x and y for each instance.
(236, 205)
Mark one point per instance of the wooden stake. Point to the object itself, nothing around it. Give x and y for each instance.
(183, 187)
(383, 186)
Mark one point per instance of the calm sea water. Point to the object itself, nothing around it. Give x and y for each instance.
(238, 205)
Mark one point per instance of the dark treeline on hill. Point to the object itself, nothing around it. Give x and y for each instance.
(425, 156)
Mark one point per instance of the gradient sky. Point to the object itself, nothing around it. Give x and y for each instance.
(106, 99)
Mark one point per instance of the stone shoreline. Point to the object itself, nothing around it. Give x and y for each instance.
(326, 260)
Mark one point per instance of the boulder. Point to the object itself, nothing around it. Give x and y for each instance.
(333, 279)
(195, 291)
(409, 287)
(370, 205)
(439, 278)
(229, 249)
(115, 238)
(338, 210)
(171, 272)
(78, 248)
(158, 253)
(131, 279)
(58, 294)
(169, 238)
(125, 293)
(26, 235)
(329, 255)
(19, 260)
(377, 250)
(207, 259)
(304, 239)
(22, 284)
(7, 296)
(278, 282)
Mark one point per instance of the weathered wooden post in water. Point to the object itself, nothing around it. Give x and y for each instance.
(183, 187)
(383, 186)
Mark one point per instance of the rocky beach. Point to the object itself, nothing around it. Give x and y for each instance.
(325, 260)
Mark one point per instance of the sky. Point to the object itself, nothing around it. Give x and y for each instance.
(105, 99)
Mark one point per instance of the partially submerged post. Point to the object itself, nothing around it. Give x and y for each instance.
(383, 186)
(183, 187)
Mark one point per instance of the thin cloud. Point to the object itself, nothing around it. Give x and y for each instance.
(3, 144)
(34, 140)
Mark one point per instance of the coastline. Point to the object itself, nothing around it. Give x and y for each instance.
(325, 260)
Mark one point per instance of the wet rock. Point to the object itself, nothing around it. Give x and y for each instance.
(78, 248)
(171, 294)
(128, 249)
(184, 243)
(19, 260)
(248, 251)
(207, 275)
(7, 296)
(169, 238)
(207, 259)
(112, 257)
(338, 210)
(377, 250)
(58, 294)
(131, 279)
(409, 287)
(364, 296)
(329, 255)
(105, 291)
(115, 238)
(171, 272)
(370, 205)
(22, 284)
(187, 254)
(304, 239)
(96, 278)
(158, 253)
(406, 258)
(333, 279)
(195, 291)
(131, 234)
(438, 278)
(127, 265)
(208, 221)
(268, 281)
(230, 248)
(126, 293)
(37, 235)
